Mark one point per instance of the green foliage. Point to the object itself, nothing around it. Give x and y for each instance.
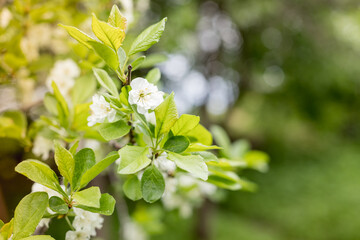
(106, 53)
(153, 76)
(58, 205)
(166, 115)
(192, 163)
(185, 124)
(132, 188)
(105, 81)
(65, 162)
(177, 144)
(89, 197)
(28, 214)
(152, 184)
(107, 205)
(41, 173)
(148, 37)
(80, 36)
(133, 159)
(84, 160)
(110, 131)
(137, 62)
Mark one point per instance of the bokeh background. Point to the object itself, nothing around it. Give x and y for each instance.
(282, 74)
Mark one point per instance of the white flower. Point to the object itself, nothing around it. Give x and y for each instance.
(165, 164)
(5, 17)
(145, 95)
(150, 117)
(44, 223)
(100, 110)
(29, 48)
(206, 188)
(42, 146)
(63, 74)
(87, 221)
(36, 187)
(77, 235)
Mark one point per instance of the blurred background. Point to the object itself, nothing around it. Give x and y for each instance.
(282, 74)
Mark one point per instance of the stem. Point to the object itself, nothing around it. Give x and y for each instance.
(128, 79)
(69, 223)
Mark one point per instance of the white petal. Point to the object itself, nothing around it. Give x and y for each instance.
(139, 83)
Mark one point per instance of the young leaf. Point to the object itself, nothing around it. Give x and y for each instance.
(78, 35)
(132, 188)
(50, 103)
(106, 53)
(108, 34)
(207, 156)
(166, 115)
(196, 147)
(110, 131)
(74, 147)
(148, 37)
(81, 113)
(84, 160)
(153, 76)
(116, 19)
(192, 163)
(201, 135)
(58, 205)
(6, 230)
(107, 205)
(1, 223)
(133, 159)
(152, 184)
(28, 214)
(89, 197)
(41, 173)
(185, 124)
(98, 168)
(65, 162)
(137, 62)
(84, 88)
(227, 180)
(59, 97)
(105, 81)
(177, 144)
(122, 57)
(221, 139)
(39, 237)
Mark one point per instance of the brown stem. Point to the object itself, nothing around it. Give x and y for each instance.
(202, 231)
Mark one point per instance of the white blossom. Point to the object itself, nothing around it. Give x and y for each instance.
(150, 117)
(100, 110)
(86, 221)
(77, 235)
(42, 146)
(44, 223)
(145, 95)
(37, 187)
(164, 164)
(5, 17)
(133, 231)
(63, 74)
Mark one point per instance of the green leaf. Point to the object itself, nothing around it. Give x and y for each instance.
(1, 223)
(65, 162)
(39, 237)
(207, 156)
(89, 197)
(107, 205)
(152, 184)
(133, 159)
(84, 160)
(110, 131)
(177, 144)
(58, 205)
(195, 147)
(122, 57)
(192, 163)
(61, 100)
(28, 214)
(78, 35)
(132, 188)
(221, 139)
(41, 173)
(98, 168)
(148, 37)
(105, 81)
(50, 103)
(137, 63)
(227, 180)
(153, 76)
(106, 53)
(116, 19)
(81, 113)
(200, 135)
(74, 147)
(185, 124)
(257, 160)
(7, 230)
(153, 59)
(166, 115)
(108, 34)
(84, 88)
(124, 95)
